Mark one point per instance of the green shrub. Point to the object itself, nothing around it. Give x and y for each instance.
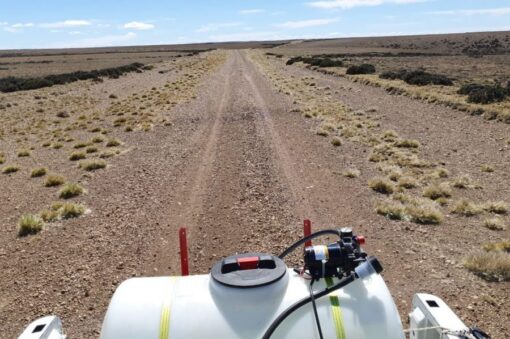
(361, 69)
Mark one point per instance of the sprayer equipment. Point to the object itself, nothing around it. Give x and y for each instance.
(338, 293)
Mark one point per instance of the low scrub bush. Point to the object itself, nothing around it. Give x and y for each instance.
(484, 94)
(381, 185)
(54, 180)
(23, 153)
(316, 61)
(436, 191)
(417, 77)
(113, 143)
(495, 224)
(38, 172)
(92, 165)
(361, 69)
(29, 224)
(351, 173)
(70, 210)
(13, 84)
(493, 263)
(10, 169)
(77, 156)
(70, 190)
(466, 208)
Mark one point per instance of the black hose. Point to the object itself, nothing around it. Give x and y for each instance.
(316, 314)
(307, 238)
(274, 325)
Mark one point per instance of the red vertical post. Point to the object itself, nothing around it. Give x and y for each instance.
(184, 251)
(307, 230)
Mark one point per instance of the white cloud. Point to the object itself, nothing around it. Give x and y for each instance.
(306, 23)
(3, 23)
(66, 24)
(103, 41)
(217, 26)
(251, 11)
(345, 4)
(17, 27)
(141, 26)
(486, 11)
(23, 25)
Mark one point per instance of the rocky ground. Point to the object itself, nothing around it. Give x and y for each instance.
(236, 162)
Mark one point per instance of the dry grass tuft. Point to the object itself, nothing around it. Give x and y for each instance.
(493, 264)
(381, 185)
(29, 224)
(466, 208)
(97, 140)
(464, 181)
(24, 153)
(392, 210)
(54, 180)
(10, 169)
(113, 143)
(107, 154)
(407, 182)
(75, 156)
(38, 172)
(495, 224)
(322, 132)
(336, 141)
(49, 215)
(351, 173)
(425, 214)
(436, 191)
(407, 144)
(81, 145)
(487, 168)
(497, 207)
(70, 210)
(70, 190)
(92, 165)
(91, 149)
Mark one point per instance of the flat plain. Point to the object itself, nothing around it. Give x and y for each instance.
(239, 144)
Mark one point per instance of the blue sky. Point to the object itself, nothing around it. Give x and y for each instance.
(91, 23)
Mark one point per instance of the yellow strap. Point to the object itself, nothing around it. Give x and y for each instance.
(337, 312)
(164, 322)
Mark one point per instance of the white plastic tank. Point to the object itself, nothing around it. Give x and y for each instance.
(201, 307)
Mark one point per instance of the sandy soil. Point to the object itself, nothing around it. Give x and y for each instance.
(241, 170)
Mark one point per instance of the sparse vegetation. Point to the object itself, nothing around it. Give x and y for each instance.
(316, 61)
(418, 78)
(70, 190)
(483, 94)
(13, 84)
(361, 69)
(493, 263)
(352, 173)
(75, 156)
(466, 208)
(437, 191)
(113, 143)
(49, 215)
(495, 224)
(487, 168)
(10, 169)
(92, 165)
(381, 185)
(38, 172)
(70, 210)
(23, 153)
(336, 141)
(496, 207)
(29, 224)
(54, 180)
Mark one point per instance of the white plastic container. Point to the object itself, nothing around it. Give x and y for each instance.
(200, 307)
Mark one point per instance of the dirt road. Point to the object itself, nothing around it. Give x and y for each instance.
(241, 171)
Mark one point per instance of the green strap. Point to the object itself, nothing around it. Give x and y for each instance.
(337, 312)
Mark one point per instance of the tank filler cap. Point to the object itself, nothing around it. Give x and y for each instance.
(249, 270)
